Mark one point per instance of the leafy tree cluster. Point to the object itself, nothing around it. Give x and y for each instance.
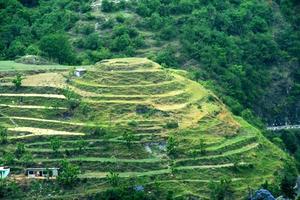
(39, 27)
(288, 140)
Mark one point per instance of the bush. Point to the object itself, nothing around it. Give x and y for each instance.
(107, 6)
(68, 174)
(171, 125)
(98, 131)
(3, 135)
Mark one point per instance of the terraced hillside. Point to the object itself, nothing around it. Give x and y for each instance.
(150, 125)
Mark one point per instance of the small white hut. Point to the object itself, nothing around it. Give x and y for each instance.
(4, 172)
(79, 72)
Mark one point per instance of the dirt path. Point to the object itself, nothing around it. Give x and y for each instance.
(57, 96)
(40, 132)
(111, 160)
(157, 172)
(47, 120)
(32, 107)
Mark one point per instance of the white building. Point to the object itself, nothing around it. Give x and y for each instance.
(4, 172)
(79, 72)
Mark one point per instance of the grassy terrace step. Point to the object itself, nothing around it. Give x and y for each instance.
(141, 77)
(30, 90)
(158, 172)
(141, 97)
(33, 100)
(34, 112)
(133, 90)
(13, 66)
(121, 150)
(237, 142)
(224, 157)
(92, 143)
(31, 107)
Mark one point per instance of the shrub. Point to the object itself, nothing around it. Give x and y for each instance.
(20, 150)
(68, 175)
(171, 125)
(120, 18)
(17, 81)
(113, 179)
(133, 123)
(3, 135)
(107, 6)
(98, 131)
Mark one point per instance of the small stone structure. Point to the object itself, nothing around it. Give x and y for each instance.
(4, 172)
(41, 172)
(79, 72)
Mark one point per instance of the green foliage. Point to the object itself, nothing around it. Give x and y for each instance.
(8, 189)
(221, 190)
(98, 131)
(171, 125)
(8, 158)
(172, 146)
(68, 174)
(58, 48)
(20, 150)
(113, 179)
(3, 135)
(107, 6)
(27, 159)
(128, 137)
(55, 144)
(80, 144)
(17, 81)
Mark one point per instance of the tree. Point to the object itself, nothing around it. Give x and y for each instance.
(222, 190)
(20, 150)
(57, 47)
(27, 159)
(171, 146)
(55, 144)
(81, 144)
(30, 3)
(202, 146)
(98, 131)
(128, 137)
(68, 174)
(3, 135)
(107, 6)
(287, 187)
(17, 81)
(113, 179)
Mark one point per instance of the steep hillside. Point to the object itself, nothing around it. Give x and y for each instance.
(247, 49)
(152, 126)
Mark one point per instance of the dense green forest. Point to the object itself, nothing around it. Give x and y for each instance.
(246, 51)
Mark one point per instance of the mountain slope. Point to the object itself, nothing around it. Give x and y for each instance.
(152, 126)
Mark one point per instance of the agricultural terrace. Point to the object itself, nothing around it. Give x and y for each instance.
(136, 119)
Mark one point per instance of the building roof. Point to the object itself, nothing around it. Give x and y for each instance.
(40, 168)
(4, 168)
(80, 70)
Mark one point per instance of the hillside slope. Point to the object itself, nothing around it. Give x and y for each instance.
(151, 125)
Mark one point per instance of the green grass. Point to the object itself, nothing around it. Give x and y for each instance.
(8, 66)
